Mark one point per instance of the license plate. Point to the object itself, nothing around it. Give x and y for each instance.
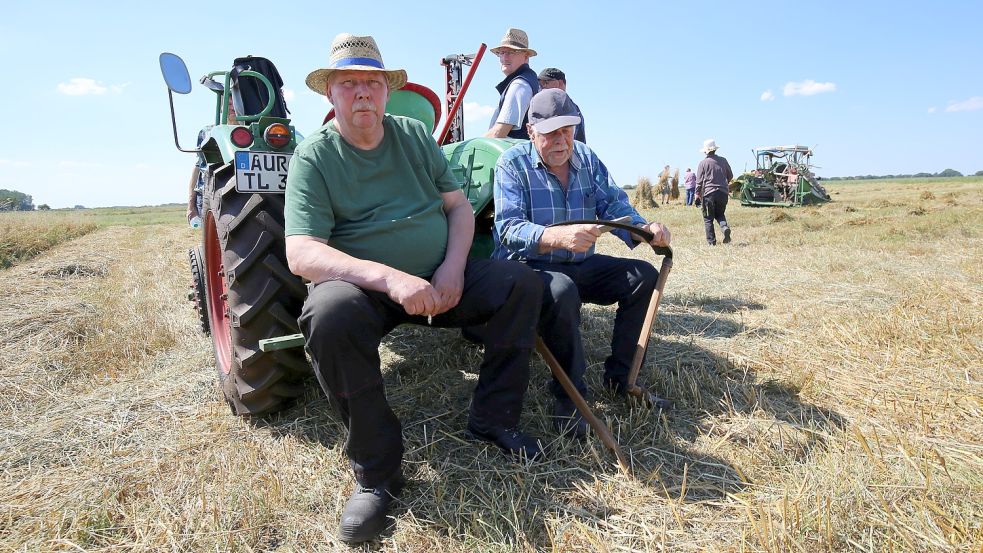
(261, 172)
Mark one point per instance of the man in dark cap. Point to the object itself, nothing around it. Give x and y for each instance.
(552, 77)
(552, 179)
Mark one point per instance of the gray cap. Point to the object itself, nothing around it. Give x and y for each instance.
(551, 109)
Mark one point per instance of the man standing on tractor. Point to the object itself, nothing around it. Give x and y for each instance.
(553, 179)
(712, 177)
(378, 224)
(519, 85)
(552, 77)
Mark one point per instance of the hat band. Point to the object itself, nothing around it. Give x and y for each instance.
(346, 62)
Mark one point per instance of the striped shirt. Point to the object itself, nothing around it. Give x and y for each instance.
(528, 198)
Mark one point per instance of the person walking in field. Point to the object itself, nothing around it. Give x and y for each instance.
(713, 175)
(377, 222)
(689, 182)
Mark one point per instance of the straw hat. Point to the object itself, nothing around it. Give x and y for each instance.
(709, 146)
(515, 39)
(358, 53)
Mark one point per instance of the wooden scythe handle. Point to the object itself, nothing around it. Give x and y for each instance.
(599, 427)
(643, 337)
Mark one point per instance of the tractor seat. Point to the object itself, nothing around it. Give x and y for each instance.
(412, 100)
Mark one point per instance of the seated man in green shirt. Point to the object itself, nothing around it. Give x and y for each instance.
(379, 225)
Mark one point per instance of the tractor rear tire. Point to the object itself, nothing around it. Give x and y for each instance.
(252, 295)
(196, 291)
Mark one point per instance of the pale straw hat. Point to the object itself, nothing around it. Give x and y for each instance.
(709, 146)
(515, 39)
(358, 53)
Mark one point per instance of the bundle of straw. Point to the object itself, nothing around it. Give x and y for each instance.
(643, 194)
(674, 186)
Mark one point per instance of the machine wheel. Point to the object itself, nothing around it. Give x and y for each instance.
(196, 290)
(251, 296)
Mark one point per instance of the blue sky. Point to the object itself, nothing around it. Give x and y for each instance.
(875, 87)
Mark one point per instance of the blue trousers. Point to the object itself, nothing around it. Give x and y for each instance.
(690, 194)
(601, 280)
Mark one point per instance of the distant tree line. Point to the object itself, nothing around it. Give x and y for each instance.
(945, 173)
(12, 200)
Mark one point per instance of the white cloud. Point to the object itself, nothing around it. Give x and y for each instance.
(807, 87)
(473, 111)
(767, 96)
(971, 104)
(931, 109)
(288, 94)
(80, 87)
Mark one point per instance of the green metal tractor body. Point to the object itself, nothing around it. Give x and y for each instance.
(782, 177)
(473, 162)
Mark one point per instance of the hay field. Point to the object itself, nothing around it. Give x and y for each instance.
(826, 367)
(25, 234)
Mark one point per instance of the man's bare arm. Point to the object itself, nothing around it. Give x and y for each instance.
(312, 258)
(448, 279)
(460, 227)
(499, 130)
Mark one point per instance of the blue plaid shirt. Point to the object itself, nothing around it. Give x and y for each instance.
(528, 198)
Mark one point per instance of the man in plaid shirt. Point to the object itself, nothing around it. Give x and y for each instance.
(553, 179)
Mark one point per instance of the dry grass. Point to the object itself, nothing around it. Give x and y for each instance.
(827, 369)
(24, 235)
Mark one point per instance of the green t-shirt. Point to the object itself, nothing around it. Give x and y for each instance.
(381, 205)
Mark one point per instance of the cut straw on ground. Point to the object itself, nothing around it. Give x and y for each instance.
(825, 367)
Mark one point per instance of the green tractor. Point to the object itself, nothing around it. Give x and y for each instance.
(241, 287)
(782, 177)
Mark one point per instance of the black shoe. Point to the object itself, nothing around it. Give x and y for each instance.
(727, 236)
(364, 517)
(713, 243)
(619, 387)
(510, 440)
(568, 421)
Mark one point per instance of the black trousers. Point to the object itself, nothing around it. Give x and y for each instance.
(601, 280)
(344, 325)
(714, 206)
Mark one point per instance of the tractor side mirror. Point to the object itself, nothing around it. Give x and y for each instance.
(177, 79)
(175, 73)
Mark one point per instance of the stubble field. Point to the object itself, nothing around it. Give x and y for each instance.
(827, 369)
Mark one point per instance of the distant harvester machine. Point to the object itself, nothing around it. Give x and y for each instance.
(782, 177)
